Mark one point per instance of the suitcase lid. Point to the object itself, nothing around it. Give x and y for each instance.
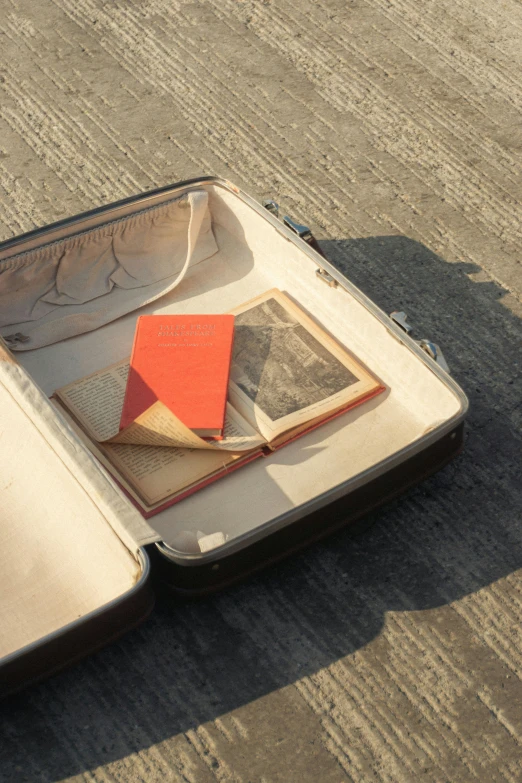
(70, 549)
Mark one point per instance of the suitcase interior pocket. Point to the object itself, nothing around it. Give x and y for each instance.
(79, 283)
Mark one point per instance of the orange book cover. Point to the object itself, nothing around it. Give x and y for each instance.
(184, 362)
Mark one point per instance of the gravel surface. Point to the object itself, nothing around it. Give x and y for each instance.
(393, 128)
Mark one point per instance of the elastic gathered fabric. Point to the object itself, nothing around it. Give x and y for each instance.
(81, 282)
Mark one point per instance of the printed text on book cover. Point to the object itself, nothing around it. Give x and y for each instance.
(184, 362)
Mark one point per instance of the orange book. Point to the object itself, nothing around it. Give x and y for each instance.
(182, 361)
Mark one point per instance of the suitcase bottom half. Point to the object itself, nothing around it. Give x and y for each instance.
(186, 579)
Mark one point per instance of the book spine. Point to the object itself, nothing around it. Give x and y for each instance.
(267, 450)
(123, 420)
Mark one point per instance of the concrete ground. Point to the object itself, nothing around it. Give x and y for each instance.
(393, 127)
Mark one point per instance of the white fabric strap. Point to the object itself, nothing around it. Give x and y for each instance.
(198, 201)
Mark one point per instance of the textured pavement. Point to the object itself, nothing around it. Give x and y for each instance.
(393, 128)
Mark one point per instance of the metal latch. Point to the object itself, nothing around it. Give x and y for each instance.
(432, 349)
(302, 231)
(399, 317)
(272, 206)
(305, 233)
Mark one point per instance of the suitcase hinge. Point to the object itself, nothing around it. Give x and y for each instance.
(326, 277)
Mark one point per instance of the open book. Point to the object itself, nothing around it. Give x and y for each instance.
(287, 377)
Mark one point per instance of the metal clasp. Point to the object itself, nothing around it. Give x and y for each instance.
(400, 318)
(428, 346)
(305, 234)
(433, 350)
(326, 277)
(302, 231)
(272, 206)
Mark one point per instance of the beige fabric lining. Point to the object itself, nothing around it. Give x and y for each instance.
(69, 539)
(252, 258)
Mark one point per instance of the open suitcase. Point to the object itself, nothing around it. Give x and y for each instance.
(76, 556)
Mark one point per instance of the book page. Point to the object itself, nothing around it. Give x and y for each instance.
(157, 426)
(286, 370)
(96, 401)
(153, 473)
(158, 472)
